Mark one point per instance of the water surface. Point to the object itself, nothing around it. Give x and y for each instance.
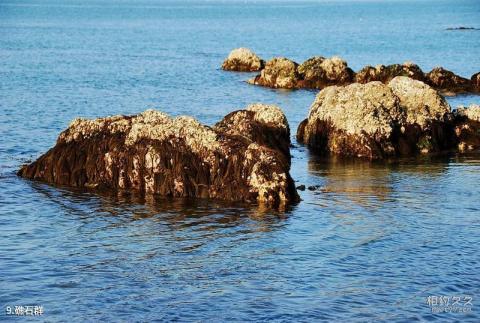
(371, 244)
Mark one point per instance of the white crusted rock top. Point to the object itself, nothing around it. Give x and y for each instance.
(197, 136)
(472, 112)
(242, 59)
(357, 108)
(334, 67)
(150, 124)
(269, 114)
(80, 128)
(421, 102)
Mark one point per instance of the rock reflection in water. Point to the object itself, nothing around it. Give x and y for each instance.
(367, 183)
(121, 208)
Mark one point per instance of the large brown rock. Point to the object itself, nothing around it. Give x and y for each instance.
(319, 72)
(355, 120)
(377, 120)
(279, 72)
(243, 60)
(243, 158)
(447, 82)
(385, 74)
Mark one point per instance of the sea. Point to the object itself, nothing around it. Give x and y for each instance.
(377, 241)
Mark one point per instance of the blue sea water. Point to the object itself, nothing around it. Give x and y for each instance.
(371, 245)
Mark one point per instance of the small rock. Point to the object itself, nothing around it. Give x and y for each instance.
(319, 72)
(243, 60)
(301, 187)
(461, 28)
(279, 72)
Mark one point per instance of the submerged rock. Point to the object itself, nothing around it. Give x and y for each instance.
(385, 74)
(236, 160)
(377, 120)
(243, 60)
(319, 72)
(279, 72)
(447, 82)
(461, 28)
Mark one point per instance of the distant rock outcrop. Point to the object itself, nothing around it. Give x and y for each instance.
(461, 28)
(243, 60)
(244, 157)
(447, 82)
(319, 72)
(376, 120)
(385, 74)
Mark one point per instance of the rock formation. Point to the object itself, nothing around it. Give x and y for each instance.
(376, 120)
(315, 73)
(319, 72)
(385, 74)
(467, 127)
(243, 60)
(279, 72)
(447, 82)
(244, 157)
(355, 120)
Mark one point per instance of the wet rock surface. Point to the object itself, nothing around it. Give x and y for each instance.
(243, 158)
(377, 121)
(243, 60)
